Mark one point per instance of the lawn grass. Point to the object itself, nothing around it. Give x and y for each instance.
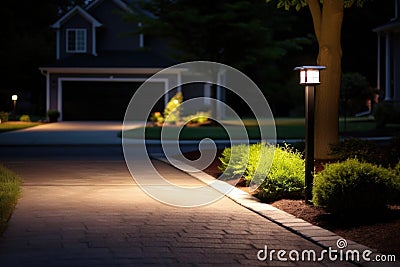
(9, 193)
(12, 126)
(286, 128)
(198, 133)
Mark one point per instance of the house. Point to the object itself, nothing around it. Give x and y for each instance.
(101, 60)
(390, 34)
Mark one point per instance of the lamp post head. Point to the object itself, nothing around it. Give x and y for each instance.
(14, 97)
(309, 75)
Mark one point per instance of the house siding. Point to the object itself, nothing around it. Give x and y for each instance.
(396, 66)
(99, 83)
(116, 33)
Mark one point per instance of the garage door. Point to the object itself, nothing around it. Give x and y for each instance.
(98, 100)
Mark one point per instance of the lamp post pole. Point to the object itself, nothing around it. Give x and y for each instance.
(14, 98)
(309, 149)
(309, 76)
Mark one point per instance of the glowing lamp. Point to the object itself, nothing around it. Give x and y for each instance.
(309, 75)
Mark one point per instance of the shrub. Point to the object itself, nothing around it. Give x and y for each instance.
(53, 115)
(157, 117)
(386, 112)
(25, 118)
(278, 170)
(354, 87)
(234, 161)
(172, 110)
(285, 178)
(260, 157)
(396, 171)
(356, 148)
(3, 116)
(353, 187)
(395, 149)
(198, 117)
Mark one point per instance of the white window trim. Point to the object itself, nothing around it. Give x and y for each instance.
(141, 36)
(85, 38)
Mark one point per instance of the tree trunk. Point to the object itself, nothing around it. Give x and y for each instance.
(328, 33)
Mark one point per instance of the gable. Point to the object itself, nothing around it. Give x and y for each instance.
(76, 11)
(116, 33)
(121, 4)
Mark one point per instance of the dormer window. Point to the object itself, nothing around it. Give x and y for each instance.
(76, 40)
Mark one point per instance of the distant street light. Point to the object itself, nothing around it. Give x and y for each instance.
(309, 76)
(14, 98)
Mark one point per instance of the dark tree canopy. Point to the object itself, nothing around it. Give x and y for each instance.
(240, 32)
(26, 43)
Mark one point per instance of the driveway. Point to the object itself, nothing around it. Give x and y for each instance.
(81, 207)
(66, 133)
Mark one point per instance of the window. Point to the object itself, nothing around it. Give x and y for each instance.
(76, 40)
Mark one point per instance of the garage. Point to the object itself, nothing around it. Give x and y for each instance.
(98, 100)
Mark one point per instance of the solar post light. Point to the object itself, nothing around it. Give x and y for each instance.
(14, 98)
(309, 76)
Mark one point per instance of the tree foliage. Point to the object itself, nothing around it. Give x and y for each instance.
(298, 4)
(236, 32)
(327, 19)
(26, 43)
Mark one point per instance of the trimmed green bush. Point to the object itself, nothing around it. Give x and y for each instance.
(234, 161)
(25, 118)
(278, 170)
(285, 178)
(386, 112)
(53, 115)
(354, 187)
(3, 116)
(363, 150)
(396, 171)
(198, 117)
(172, 112)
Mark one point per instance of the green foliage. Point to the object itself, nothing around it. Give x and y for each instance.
(386, 112)
(281, 178)
(285, 178)
(172, 110)
(298, 4)
(53, 115)
(363, 150)
(396, 169)
(354, 84)
(25, 118)
(157, 117)
(198, 117)
(396, 194)
(354, 187)
(395, 148)
(3, 116)
(217, 24)
(355, 90)
(9, 193)
(234, 161)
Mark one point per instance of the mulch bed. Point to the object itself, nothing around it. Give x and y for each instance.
(377, 231)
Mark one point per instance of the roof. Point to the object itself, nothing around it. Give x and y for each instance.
(115, 59)
(72, 12)
(390, 27)
(119, 3)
